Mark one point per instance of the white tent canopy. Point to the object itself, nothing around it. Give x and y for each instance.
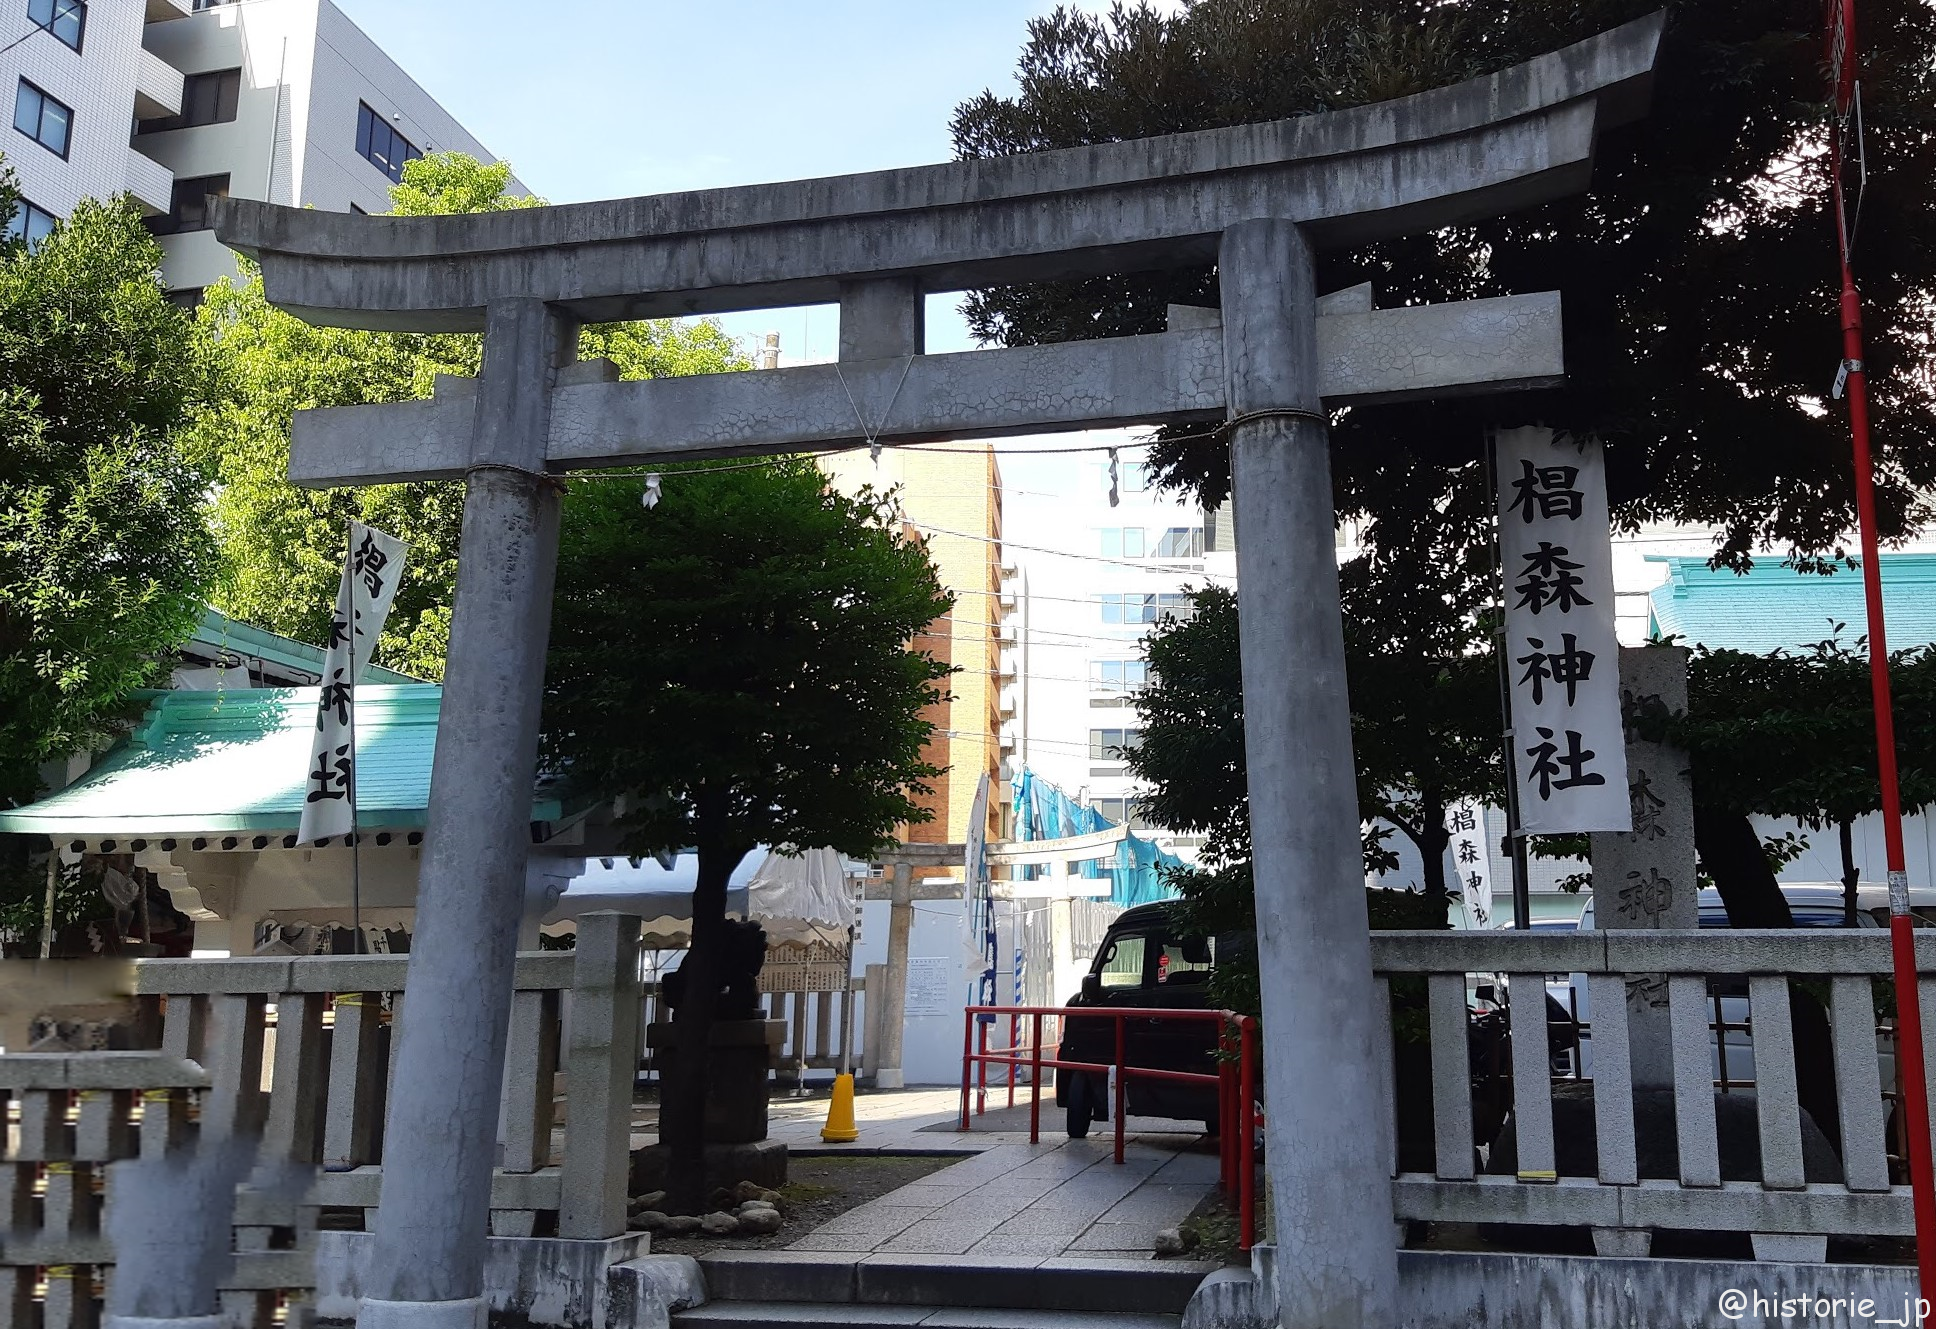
(803, 898)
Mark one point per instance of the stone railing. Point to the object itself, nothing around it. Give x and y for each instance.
(69, 1117)
(308, 1057)
(1679, 1156)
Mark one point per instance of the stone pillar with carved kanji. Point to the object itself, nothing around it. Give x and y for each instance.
(1645, 878)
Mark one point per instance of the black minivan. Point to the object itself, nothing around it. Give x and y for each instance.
(1144, 963)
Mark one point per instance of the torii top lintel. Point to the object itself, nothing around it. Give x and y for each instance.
(1490, 145)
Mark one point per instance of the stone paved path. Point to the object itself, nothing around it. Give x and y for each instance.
(1014, 1202)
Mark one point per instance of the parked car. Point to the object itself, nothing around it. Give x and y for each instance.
(1144, 963)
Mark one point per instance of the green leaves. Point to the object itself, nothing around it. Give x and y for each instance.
(282, 548)
(104, 556)
(733, 663)
(1698, 276)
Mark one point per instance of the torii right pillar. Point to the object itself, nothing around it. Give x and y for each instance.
(1337, 1256)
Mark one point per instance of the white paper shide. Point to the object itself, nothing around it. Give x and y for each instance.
(363, 599)
(1569, 749)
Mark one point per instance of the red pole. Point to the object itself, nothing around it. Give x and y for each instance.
(1246, 1147)
(967, 1060)
(1844, 69)
(981, 1067)
(1014, 1042)
(1035, 1083)
(1122, 1060)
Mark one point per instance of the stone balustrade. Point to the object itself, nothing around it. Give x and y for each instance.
(1592, 1171)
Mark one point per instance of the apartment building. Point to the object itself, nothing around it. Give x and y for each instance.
(180, 100)
(1099, 557)
(953, 500)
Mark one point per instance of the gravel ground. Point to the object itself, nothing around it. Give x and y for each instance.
(818, 1190)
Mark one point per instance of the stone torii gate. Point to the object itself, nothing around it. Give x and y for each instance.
(1255, 200)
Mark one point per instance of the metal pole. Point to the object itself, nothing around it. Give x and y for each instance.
(53, 888)
(1516, 842)
(1035, 1082)
(1841, 36)
(356, 840)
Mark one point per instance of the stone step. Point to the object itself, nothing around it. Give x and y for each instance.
(833, 1315)
(893, 1282)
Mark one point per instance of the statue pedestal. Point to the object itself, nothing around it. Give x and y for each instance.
(740, 1055)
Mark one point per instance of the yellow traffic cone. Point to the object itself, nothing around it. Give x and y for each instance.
(840, 1128)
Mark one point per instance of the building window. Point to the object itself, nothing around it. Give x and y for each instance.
(1132, 477)
(1119, 675)
(1134, 607)
(1111, 744)
(30, 223)
(200, 5)
(207, 99)
(187, 297)
(188, 206)
(1122, 811)
(42, 119)
(1180, 542)
(383, 146)
(66, 19)
(1122, 542)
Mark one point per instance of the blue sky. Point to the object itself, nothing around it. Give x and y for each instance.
(609, 98)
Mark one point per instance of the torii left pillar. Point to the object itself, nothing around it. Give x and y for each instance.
(428, 1268)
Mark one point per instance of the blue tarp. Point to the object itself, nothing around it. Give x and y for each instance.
(1044, 812)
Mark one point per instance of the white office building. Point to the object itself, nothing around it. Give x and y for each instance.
(178, 100)
(1090, 579)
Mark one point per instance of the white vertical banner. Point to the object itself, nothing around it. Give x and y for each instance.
(1465, 824)
(363, 599)
(1555, 545)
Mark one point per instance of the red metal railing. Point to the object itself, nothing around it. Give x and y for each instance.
(1235, 1080)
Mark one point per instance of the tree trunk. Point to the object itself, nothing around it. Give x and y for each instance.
(1731, 852)
(1846, 830)
(682, 1101)
(1431, 837)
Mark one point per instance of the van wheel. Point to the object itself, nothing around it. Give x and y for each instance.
(1080, 1114)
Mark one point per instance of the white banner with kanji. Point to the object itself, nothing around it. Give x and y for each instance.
(1465, 829)
(363, 599)
(1555, 544)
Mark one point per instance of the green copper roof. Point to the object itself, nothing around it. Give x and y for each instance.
(220, 632)
(222, 762)
(1775, 607)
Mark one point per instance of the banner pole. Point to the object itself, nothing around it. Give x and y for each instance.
(1845, 96)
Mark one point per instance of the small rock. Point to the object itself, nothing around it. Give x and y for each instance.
(771, 1197)
(650, 1200)
(721, 1199)
(1174, 1241)
(680, 1225)
(719, 1225)
(751, 1205)
(759, 1222)
(650, 1220)
(749, 1190)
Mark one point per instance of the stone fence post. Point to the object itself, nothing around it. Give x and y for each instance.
(601, 1067)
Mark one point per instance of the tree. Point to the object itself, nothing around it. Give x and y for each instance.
(282, 547)
(1698, 276)
(103, 553)
(733, 667)
(1793, 735)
